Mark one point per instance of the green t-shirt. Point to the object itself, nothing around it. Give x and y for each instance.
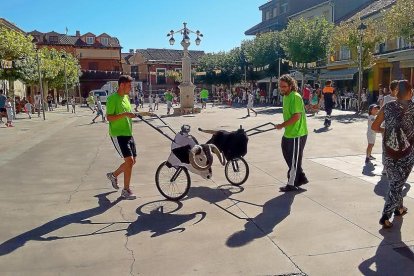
(116, 104)
(168, 97)
(204, 94)
(292, 104)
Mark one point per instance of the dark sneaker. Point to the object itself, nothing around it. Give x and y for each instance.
(384, 221)
(303, 181)
(372, 157)
(288, 188)
(113, 179)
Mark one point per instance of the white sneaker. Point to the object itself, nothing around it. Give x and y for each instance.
(128, 194)
(113, 179)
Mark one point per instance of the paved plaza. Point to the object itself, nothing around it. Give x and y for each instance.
(60, 216)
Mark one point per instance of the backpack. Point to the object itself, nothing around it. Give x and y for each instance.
(397, 144)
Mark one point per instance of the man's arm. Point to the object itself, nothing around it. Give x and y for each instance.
(115, 117)
(295, 117)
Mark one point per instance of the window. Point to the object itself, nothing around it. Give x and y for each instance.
(104, 40)
(161, 78)
(53, 39)
(268, 15)
(345, 53)
(93, 66)
(90, 39)
(283, 7)
(274, 12)
(402, 43)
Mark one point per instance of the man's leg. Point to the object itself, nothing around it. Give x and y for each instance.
(290, 149)
(301, 177)
(128, 164)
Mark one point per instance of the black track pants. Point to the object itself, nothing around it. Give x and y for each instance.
(292, 149)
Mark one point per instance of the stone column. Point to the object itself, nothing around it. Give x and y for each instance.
(186, 87)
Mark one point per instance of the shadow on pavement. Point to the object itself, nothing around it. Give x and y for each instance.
(274, 212)
(382, 187)
(321, 130)
(368, 169)
(158, 218)
(345, 118)
(38, 233)
(393, 256)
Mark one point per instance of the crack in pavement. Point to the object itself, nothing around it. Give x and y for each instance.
(82, 180)
(131, 270)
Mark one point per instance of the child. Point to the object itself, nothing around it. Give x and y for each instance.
(9, 110)
(371, 135)
(314, 103)
(150, 102)
(28, 107)
(73, 104)
(157, 101)
(99, 111)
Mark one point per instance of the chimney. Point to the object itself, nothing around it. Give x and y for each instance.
(77, 33)
(131, 51)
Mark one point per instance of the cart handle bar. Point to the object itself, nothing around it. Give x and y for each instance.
(157, 128)
(257, 130)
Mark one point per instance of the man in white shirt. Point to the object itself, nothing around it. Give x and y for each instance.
(38, 103)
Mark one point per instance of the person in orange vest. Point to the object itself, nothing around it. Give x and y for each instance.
(328, 96)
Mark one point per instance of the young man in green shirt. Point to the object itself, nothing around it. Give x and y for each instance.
(119, 116)
(204, 97)
(296, 132)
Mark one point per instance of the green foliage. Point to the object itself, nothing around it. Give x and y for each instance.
(347, 34)
(175, 75)
(399, 19)
(14, 45)
(306, 40)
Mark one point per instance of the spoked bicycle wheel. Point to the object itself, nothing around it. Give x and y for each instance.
(173, 183)
(236, 171)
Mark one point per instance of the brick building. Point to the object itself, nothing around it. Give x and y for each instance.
(151, 66)
(99, 55)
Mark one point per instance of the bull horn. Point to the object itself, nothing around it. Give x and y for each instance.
(196, 151)
(217, 152)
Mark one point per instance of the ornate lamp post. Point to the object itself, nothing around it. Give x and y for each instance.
(361, 30)
(186, 86)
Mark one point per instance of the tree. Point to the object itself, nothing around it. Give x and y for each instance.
(306, 40)
(265, 51)
(175, 75)
(399, 19)
(346, 34)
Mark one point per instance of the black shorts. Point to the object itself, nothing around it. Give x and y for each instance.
(125, 146)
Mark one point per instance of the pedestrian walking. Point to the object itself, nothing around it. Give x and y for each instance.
(28, 108)
(204, 97)
(91, 102)
(99, 111)
(250, 101)
(9, 110)
(3, 111)
(306, 92)
(244, 96)
(119, 115)
(150, 103)
(157, 101)
(73, 104)
(38, 103)
(141, 101)
(371, 135)
(398, 148)
(388, 98)
(328, 92)
(168, 99)
(296, 132)
(49, 99)
(136, 102)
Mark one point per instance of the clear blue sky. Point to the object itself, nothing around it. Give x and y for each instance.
(140, 23)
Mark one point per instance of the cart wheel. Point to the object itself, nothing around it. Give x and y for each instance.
(171, 182)
(236, 171)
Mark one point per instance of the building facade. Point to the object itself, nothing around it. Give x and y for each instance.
(153, 67)
(99, 55)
